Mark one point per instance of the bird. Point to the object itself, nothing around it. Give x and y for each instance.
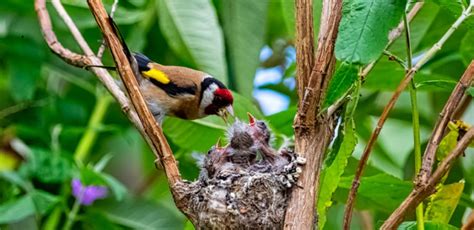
(176, 90)
(182, 92)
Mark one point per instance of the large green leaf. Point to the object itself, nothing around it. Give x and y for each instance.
(140, 214)
(362, 32)
(192, 30)
(244, 29)
(443, 203)
(381, 192)
(340, 83)
(35, 202)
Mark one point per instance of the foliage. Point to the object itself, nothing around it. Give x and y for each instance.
(46, 106)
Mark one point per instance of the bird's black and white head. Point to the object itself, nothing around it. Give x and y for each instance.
(216, 99)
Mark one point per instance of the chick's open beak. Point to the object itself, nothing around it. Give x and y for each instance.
(251, 119)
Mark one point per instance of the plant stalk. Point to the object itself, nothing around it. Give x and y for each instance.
(89, 137)
(415, 120)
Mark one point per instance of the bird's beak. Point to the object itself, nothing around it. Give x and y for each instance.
(230, 110)
(218, 143)
(251, 119)
(224, 112)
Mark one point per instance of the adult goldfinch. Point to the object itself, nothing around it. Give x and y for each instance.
(181, 92)
(177, 91)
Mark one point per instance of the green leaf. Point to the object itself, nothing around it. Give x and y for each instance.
(343, 149)
(338, 157)
(381, 192)
(16, 179)
(340, 83)
(117, 188)
(48, 167)
(244, 29)
(411, 225)
(447, 144)
(436, 85)
(455, 7)
(470, 91)
(36, 202)
(23, 77)
(443, 203)
(282, 122)
(192, 30)
(362, 32)
(140, 214)
(15, 210)
(467, 47)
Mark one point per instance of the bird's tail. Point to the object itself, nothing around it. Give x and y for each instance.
(126, 50)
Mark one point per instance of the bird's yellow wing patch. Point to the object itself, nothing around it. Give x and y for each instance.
(157, 75)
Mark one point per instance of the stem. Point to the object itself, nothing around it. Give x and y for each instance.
(73, 213)
(89, 137)
(415, 120)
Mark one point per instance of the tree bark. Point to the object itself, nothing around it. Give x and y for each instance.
(313, 129)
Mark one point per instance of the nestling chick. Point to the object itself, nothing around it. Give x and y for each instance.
(177, 91)
(261, 134)
(212, 162)
(241, 149)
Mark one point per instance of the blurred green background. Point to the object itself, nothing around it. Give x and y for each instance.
(51, 112)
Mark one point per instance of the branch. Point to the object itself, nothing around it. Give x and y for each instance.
(312, 132)
(52, 41)
(421, 192)
(383, 117)
(454, 102)
(101, 50)
(151, 127)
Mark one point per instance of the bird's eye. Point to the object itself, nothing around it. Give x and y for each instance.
(261, 125)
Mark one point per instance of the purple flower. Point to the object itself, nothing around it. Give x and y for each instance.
(87, 194)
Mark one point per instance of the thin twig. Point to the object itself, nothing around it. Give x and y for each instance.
(101, 50)
(52, 41)
(393, 57)
(415, 119)
(446, 115)
(421, 192)
(151, 127)
(383, 117)
(469, 222)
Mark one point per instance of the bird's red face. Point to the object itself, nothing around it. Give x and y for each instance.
(221, 103)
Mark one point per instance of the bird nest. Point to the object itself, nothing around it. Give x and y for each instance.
(244, 185)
